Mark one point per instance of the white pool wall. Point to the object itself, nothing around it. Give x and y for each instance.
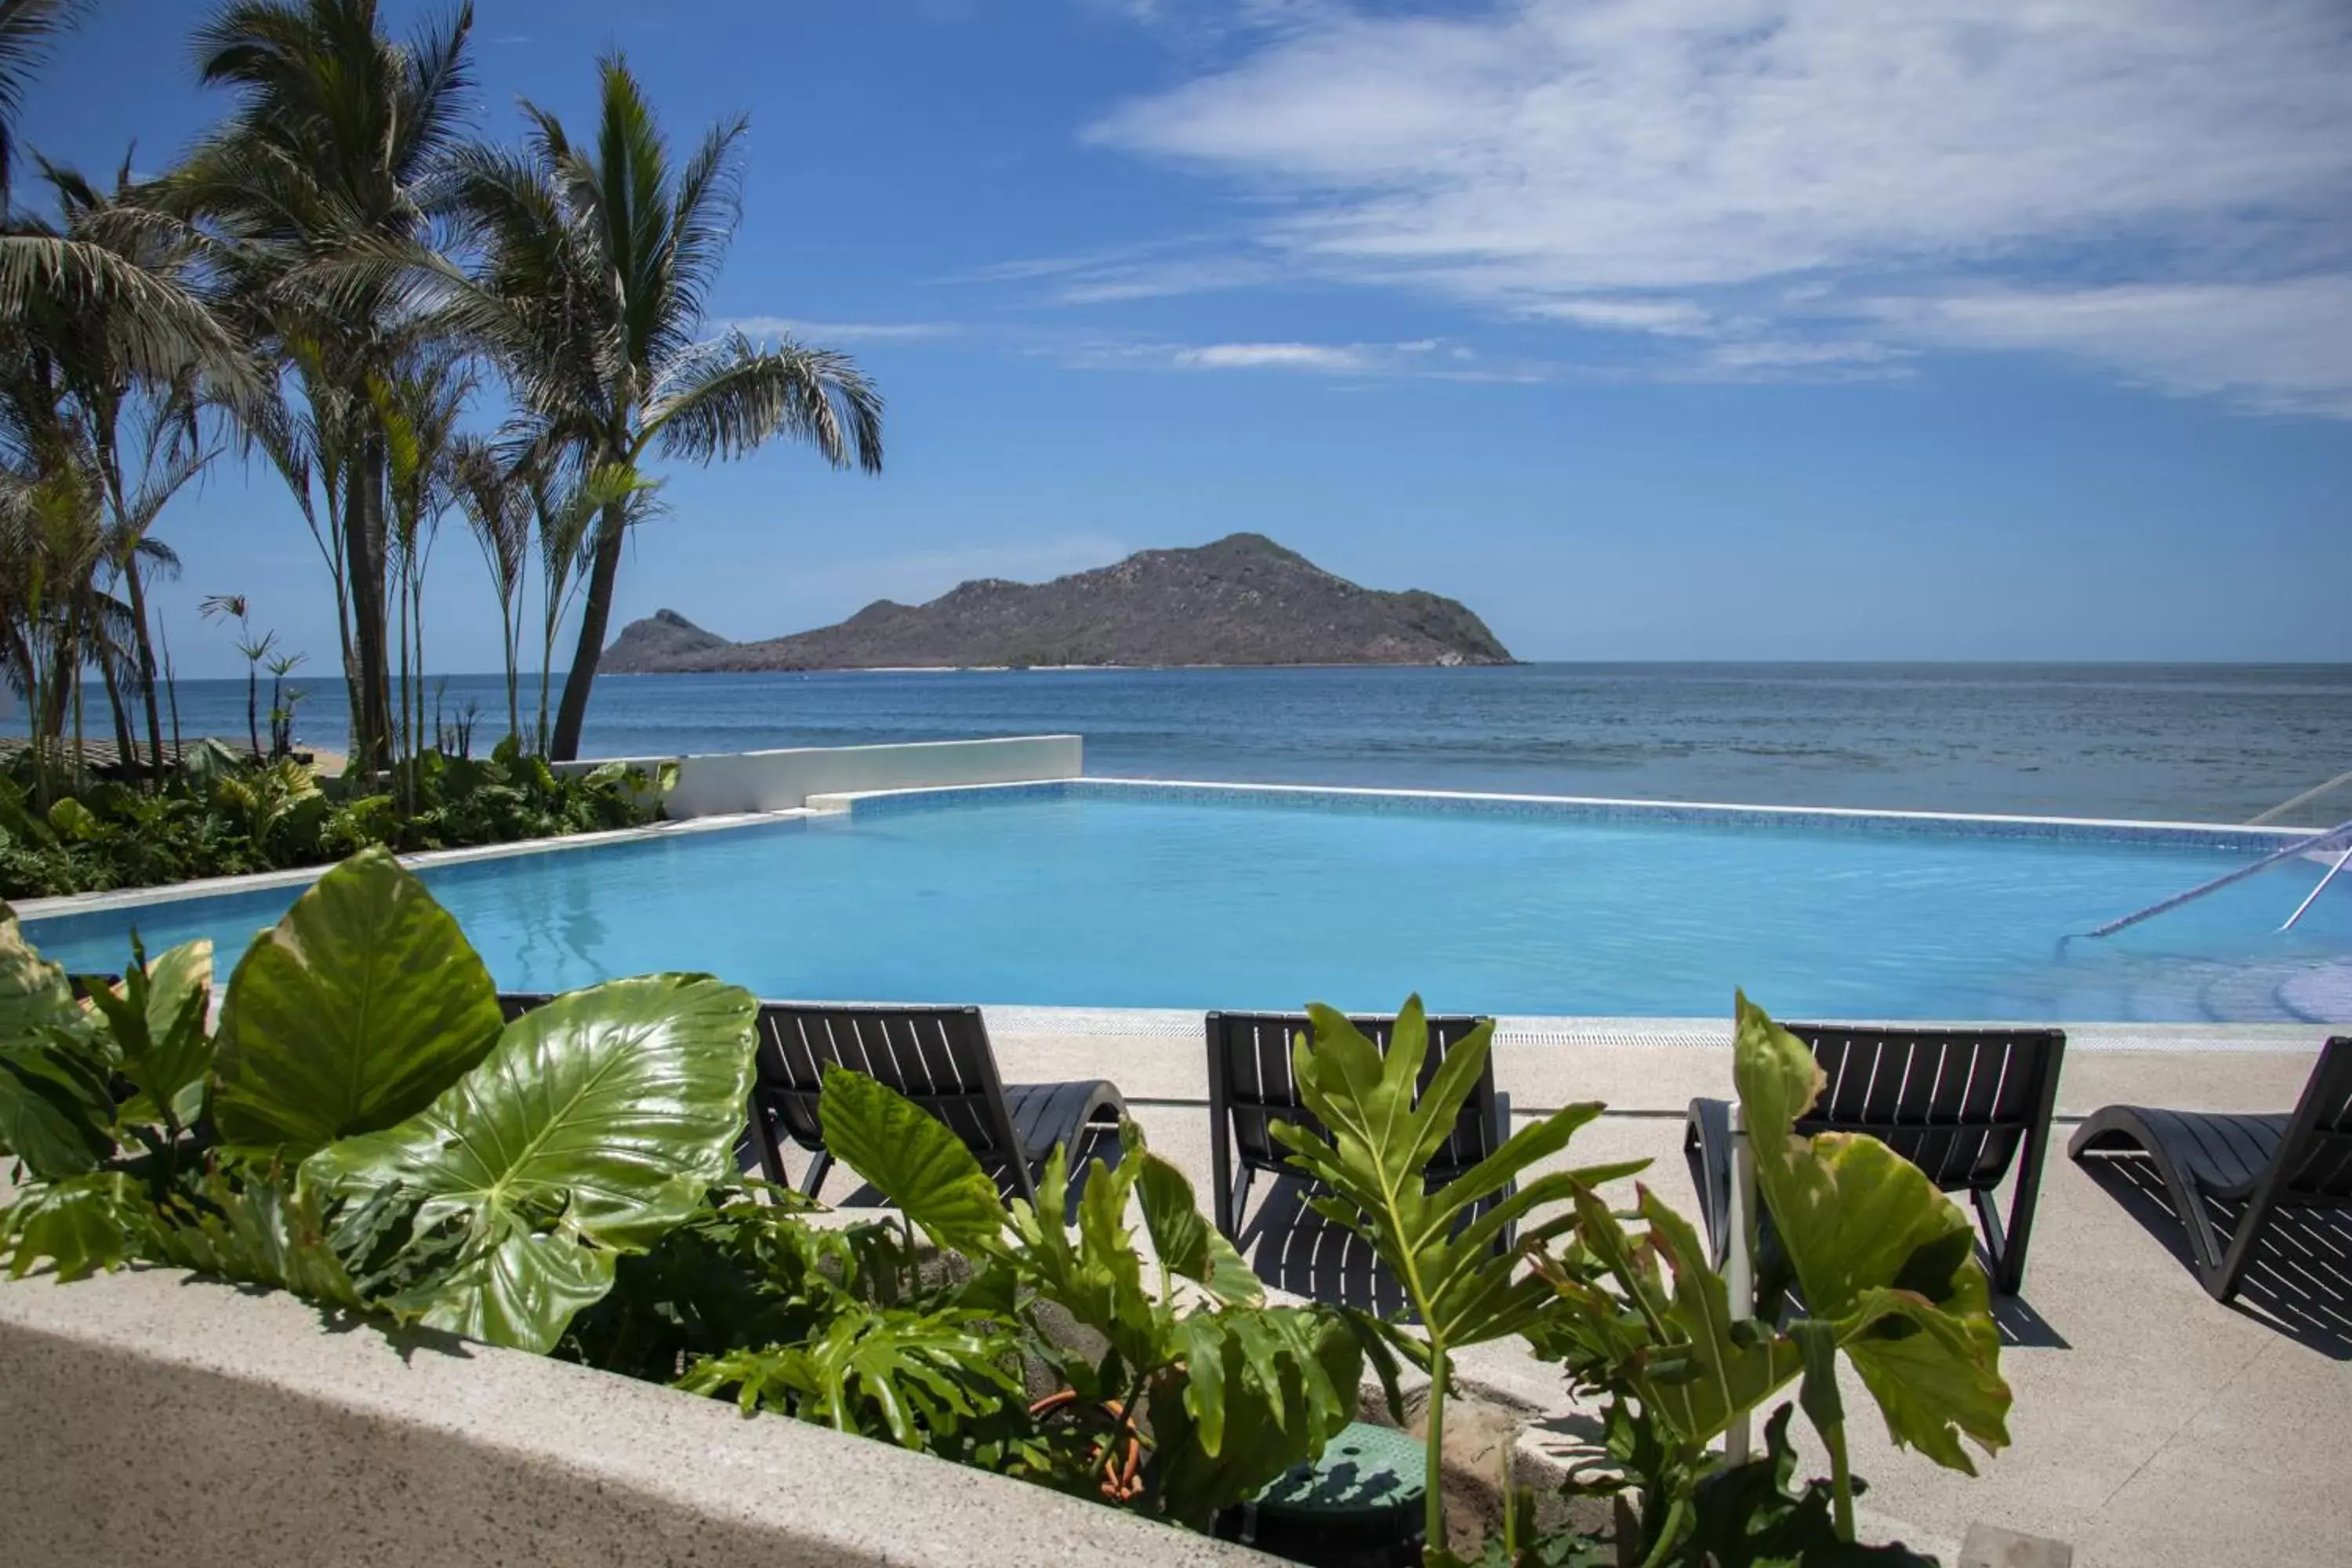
(731, 784)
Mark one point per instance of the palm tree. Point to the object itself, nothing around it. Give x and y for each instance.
(157, 326)
(331, 149)
(142, 430)
(598, 260)
(27, 27)
(496, 497)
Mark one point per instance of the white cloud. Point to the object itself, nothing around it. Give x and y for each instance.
(2282, 346)
(826, 335)
(1323, 357)
(1747, 170)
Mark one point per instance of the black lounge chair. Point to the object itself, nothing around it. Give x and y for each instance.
(938, 1057)
(1251, 1088)
(1963, 1105)
(2259, 1164)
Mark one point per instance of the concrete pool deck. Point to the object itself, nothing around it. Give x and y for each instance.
(2153, 1427)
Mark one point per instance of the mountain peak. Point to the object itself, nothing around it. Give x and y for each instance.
(1243, 599)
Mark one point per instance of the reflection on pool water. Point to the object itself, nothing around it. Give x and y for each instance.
(1097, 895)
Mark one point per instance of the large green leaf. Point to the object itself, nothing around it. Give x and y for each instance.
(57, 1110)
(1096, 1276)
(1726, 1369)
(78, 1225)
(911, 1157)
(156, 1019)
(909, 1376)
(1183, 1238)
(1258, 1390)
(1878, 1251)
(34, 993)
(363, 1003)
(595, 1123)
(1461, 1288)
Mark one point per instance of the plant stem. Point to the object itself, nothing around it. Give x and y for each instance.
(1669, 1534)
(1841, 1480)
(1441, 1369)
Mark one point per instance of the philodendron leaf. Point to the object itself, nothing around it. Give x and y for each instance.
(156, 1017)
(911, 1157)
(1463, 1290)
(358, 1008)
(596, 1124)
(1258, 1389)
(1184, 1240)
(1877, 1249)
(1723, 1376)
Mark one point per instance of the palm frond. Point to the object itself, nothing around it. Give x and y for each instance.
(730, 395)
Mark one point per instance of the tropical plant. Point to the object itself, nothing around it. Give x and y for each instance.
(495, 497)
(1443, 1245)
(630, 245)
(254, 650)
(1224, 1391)
(371, 1135)
(27, 28)
(220, 813)
(334, 146)
(1882, 1261)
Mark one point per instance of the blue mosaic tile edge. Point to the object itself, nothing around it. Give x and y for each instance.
(2186, 836)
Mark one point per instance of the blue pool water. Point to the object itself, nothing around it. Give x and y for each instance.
(1095, 896)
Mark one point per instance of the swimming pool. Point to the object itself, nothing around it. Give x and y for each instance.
(1099, 894)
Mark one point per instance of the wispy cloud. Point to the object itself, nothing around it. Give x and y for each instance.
(1431, 358)
(1324, 357)
(2160, 187)
(827, 333)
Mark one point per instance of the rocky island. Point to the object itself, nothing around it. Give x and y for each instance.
(1243, 600)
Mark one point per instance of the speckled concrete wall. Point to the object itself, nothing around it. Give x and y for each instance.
(151, 1417)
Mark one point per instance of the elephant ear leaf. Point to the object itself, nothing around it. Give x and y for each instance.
(595, 1125)
(1878, 1251)
(911, 1157)
(358, 1008)
(34, 993)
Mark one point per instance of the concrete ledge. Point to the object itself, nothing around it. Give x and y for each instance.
(731, 781)
(151, 1411)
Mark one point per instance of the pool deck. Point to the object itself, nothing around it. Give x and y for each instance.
(2153, 1427)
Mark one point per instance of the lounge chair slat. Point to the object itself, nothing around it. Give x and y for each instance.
(2302, 1159)
(1964, 1105)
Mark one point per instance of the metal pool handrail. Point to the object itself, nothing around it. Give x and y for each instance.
(2335, 838)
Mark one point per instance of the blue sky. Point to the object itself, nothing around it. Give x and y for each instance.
(1652, 328)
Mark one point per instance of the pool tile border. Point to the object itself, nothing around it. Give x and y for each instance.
(2184, 834)
(31, 909)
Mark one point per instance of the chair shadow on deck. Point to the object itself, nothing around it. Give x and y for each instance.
(2024, 1329)
(2299, 1281)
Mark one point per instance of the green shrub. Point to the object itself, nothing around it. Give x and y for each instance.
(221, 815)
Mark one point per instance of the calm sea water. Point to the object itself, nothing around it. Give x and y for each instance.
(2211, 742)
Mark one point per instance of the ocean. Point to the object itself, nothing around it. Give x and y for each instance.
(2199, 742)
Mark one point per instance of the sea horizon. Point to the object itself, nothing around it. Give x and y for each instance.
(2206, 740)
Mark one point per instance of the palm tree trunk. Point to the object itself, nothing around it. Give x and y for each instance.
(364, 563)
(511, 622)
(126, 749)
(137, 592)
(593, 615)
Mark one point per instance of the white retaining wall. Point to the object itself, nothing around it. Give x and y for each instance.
(150, 1416)
(723, 783)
